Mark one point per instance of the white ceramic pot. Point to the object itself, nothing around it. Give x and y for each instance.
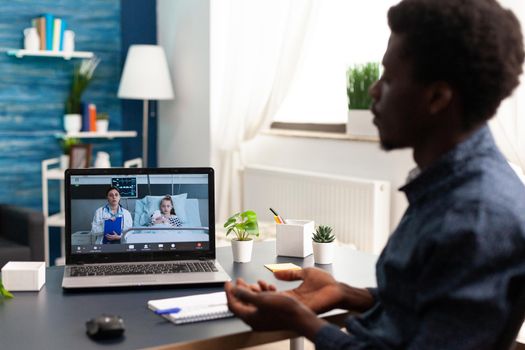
(31, 39)
(360, 123)
(64, 161)
(102, 160)
(72, 123)
(102, 125)
(323, 252)
(242, 251)
(69, 41)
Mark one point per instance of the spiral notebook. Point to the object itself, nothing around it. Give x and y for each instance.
(194, 308)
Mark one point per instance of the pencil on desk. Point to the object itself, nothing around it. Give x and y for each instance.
(278, 219)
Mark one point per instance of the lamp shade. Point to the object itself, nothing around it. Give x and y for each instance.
(146, 75)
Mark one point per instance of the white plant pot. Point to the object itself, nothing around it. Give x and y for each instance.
(360, 123)
(64, 161)
(102, 125)
(72, 123)
(323, 252)
(102, 160)
(242, 251)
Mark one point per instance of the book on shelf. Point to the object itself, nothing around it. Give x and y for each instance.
(92, 117)
(57, 24)
(49, 18)
(50, 31)
(85, 116)
(63, 28)
(41, 29)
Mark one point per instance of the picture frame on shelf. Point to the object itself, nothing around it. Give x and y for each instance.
(80, 156)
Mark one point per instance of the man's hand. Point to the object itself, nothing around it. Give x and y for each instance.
(266, 310)
(319, 290)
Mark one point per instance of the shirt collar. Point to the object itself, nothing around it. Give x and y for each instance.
(119, 211)
(420, 182)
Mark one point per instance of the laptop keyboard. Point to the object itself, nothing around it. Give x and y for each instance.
(142, 269)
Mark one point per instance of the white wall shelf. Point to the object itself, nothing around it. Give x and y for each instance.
(100, 135)
(19, 53)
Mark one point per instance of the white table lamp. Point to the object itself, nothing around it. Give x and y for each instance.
(145, 77)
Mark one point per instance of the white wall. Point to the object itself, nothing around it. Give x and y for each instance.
(336, 157)
(183, 29)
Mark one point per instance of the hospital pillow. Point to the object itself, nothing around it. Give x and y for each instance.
(145, 207)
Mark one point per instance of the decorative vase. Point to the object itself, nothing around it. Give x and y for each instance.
(360, 123)
(242, 250)
(102, 160)
(323, 252)
(72, 123)
(102, 125)
(69, 41)
(64, 161)
(31, 39)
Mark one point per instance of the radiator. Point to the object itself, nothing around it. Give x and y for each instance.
(357, 209)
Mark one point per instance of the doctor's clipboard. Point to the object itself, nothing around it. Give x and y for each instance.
(111, 226)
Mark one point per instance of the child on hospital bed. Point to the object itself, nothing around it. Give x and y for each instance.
(166, 215)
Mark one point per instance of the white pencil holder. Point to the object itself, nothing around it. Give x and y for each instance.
(294, 238)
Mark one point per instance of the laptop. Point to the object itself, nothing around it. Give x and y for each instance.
(133, 242)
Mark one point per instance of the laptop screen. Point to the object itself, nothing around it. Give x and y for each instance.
(139, 214)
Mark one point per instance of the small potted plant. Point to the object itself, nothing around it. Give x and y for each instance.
(244, 225)
(323, 245)
(102, 122)
(4, 293)
(359, 79)
(82, 76)
(65, 144)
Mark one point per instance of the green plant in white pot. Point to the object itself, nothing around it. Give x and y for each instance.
(4, 293)
(244, 225)
(359, 79)
(102, 122)
(323, 245)
(65, 144)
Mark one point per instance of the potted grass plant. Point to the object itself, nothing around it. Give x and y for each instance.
(82, 76)
(244, 225)
(359, 79)
(323, 245)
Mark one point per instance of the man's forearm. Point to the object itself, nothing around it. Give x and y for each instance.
(356, 299)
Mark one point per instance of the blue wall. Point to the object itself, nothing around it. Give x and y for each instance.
(139, 26)
(33, 91)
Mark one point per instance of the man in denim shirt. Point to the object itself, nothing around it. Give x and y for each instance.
(452, 275)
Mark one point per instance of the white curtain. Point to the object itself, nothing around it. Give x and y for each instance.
(508, 126)
(256, 50)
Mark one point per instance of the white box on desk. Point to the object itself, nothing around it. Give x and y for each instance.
(294, 238)
(24, 275)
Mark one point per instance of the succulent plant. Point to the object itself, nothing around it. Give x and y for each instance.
(323, 234)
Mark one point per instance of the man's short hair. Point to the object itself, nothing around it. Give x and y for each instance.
(474, 45)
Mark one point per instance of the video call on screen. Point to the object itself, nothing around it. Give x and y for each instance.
(143, 221)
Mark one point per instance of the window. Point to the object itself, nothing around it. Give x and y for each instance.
(343, 33)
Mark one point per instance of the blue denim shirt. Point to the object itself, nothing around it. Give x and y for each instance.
(445, 275)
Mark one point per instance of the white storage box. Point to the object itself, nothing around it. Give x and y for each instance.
(294, 238)
(24, 275)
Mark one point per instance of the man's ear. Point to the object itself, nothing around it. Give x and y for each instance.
(440, 97)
